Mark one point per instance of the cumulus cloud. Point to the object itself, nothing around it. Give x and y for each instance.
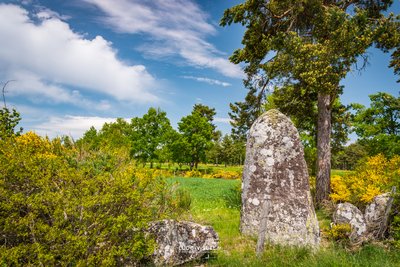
(175, 27)
(31, 86)
(48, 57)
(74, 126)
(208, 80)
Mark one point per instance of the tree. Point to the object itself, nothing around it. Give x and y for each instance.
(90, 139)
(214, 154)
(301, 107)
(310, 46)
(378, 126)
(348, 158)
(115, 134)
(150, 135)
(243, 114)
(197, 133)
(208, 113)
(8, 123)
(204, 111)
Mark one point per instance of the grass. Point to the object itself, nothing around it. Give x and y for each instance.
(215, 203)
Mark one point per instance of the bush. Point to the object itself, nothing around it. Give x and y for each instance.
(372, 177)
(222, 174)
(193, 173)
(62, 207)
(339, 232)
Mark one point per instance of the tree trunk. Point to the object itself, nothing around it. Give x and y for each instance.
(323, 148)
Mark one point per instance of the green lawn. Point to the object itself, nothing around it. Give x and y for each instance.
(214, 203)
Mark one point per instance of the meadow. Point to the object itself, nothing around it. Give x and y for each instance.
(216, 202)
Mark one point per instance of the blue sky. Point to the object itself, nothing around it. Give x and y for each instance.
(80, 63)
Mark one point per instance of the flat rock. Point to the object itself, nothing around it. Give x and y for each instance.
(180, 242)
(275, 172)
(348, 213)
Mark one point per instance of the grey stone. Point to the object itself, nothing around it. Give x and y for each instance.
(275, 171)
(375, 214)
(348, 213)
(180, 242)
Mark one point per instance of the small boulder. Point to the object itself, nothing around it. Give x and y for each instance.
(180, 242)
(348, 213)
(375, 214)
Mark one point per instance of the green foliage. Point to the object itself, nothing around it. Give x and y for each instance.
(150, 136)
(59, 206)
(8, 123)
(378, 126)
(348, 158)
(229, 151)
(205, 111)
(243, 114)
(309, 43)
(196, 135)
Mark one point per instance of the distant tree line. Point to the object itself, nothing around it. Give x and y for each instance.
(151, 139)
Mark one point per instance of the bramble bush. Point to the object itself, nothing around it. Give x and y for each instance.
(62, 206)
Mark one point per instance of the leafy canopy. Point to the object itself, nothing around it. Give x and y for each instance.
(311, 43)
(378, 126)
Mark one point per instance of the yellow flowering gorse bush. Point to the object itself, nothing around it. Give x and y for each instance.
(372, 177)
(61, 206)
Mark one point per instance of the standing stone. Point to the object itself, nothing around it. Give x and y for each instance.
(275, 171)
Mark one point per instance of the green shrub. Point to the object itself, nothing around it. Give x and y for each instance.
(62, 207)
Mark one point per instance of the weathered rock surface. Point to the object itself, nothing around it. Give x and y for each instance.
(348, 213)
(275, 171)
(180, 242)
(375, 214)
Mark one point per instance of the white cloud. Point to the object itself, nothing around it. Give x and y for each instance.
(208, 80)
(46, 13)
(55, 58)
(175, 27)
(222, 120)
(74, 126)
(30, 85)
